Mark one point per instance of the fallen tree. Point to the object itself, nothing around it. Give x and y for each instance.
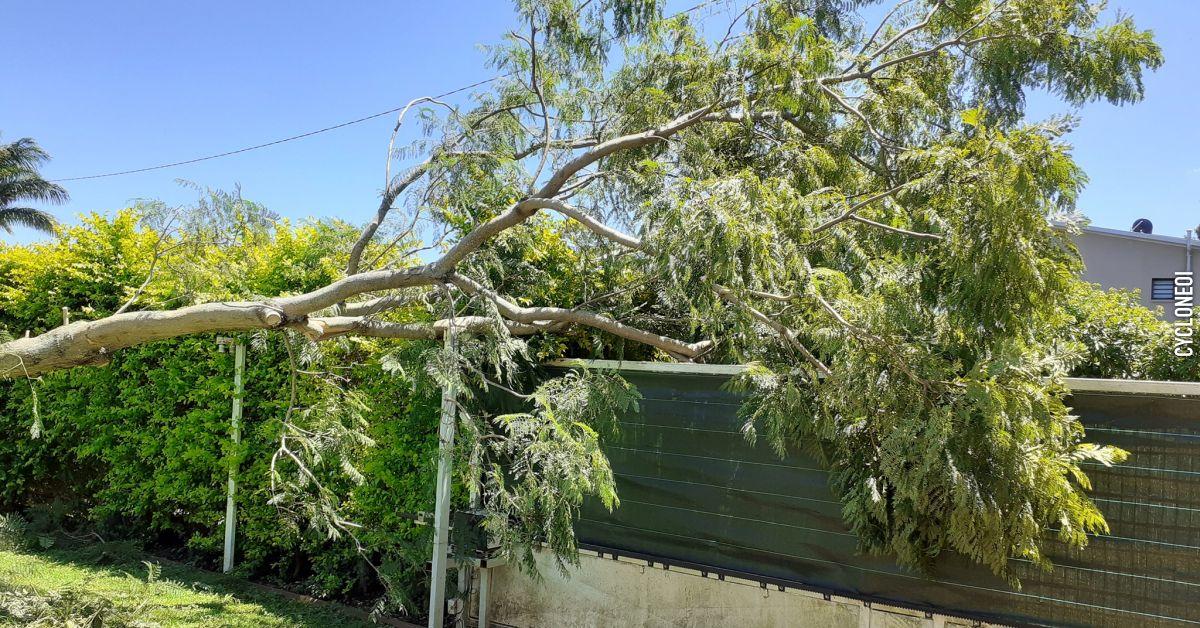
(863, 213)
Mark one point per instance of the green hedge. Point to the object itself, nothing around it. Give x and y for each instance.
(145, 443)
(140, 449)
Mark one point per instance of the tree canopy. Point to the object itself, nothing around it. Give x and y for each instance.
(861, 211)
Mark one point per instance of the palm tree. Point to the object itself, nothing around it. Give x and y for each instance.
(20, 181)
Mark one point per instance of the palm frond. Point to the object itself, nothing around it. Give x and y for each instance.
(26, 217)
(23, 154)
(21, 181)
(30, 186)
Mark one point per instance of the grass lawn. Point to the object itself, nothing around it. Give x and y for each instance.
(64, 588)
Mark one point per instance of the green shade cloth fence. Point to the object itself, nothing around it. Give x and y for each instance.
(694, 492)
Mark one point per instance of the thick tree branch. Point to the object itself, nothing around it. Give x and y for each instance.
(377, 305)
(514, 215)
(93, 342)
(593, 225)
(342, 289)
(544, 315)
(324, 328)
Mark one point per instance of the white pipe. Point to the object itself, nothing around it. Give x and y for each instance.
(441, 509)
(239, 366)
(465, 578)
(1189, 250)
(462, 600)
(485, 582)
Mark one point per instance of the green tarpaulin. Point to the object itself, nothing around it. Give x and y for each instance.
(693, 491)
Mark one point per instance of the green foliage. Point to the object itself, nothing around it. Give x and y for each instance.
(1119, 338)
(140, 449)
(63, 607)
(14, 532)
(75, 605)
(531, 471)
(1062, 46)
(917, 479)
(1002, 263)
(87, 268)
(875, 205)
(900, 229)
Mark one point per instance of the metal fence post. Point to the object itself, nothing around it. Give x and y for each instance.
(441, 510)
(239, 367)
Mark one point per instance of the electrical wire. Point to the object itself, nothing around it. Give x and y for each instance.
(309, 133)
(273, 143)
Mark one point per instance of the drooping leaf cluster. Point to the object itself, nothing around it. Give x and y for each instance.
(530, 471)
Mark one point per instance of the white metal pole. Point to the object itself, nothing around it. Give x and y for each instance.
(465, 578)
(485, 585)
(239, 366)
(461, 601)
(441, 509)
(1188, 265)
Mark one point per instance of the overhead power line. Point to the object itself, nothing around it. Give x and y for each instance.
(273, 143)
(312, 133)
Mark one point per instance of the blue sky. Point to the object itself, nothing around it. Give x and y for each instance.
(115, 86)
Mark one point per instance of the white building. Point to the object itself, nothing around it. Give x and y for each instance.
(1142, 261)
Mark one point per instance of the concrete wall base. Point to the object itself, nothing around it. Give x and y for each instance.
(627, 592)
